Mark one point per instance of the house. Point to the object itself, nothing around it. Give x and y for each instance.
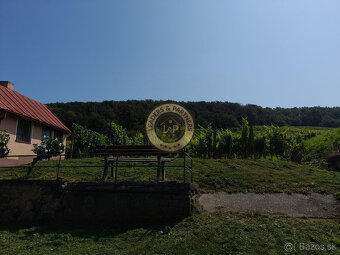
(27, 122)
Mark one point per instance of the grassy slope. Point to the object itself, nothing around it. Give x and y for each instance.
(218, 233)
(237, 175)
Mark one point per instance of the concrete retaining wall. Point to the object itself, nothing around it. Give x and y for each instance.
(66, 202)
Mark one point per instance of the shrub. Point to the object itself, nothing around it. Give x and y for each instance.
(202, 143)
(224, 142)
(49, 147)
(118, 135)
(4, 139)
(85, 140)
(138, 139)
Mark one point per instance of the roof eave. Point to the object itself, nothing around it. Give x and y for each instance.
(66, 129)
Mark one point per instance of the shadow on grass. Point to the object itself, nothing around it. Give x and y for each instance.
(94, 231)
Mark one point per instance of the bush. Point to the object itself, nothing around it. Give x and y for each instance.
(138, 139)
(118, 135)
(49, 147)
(202, 143)
(85, 140)
(4, 139)
(297, 152)
(224, 143)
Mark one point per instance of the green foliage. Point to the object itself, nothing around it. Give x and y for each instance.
(261, 144)
(49, 147)
(138, 139)
(202, 143)
(320, 146)
(297, 152)
(244, 139)
(299, 145)
(118, 135)
(277, 141)
(4, 139)
(224, 143)
(85, 140)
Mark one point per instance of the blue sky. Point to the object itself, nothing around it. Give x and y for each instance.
(274, 53)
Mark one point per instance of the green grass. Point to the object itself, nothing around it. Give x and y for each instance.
(321, 145)
(217, 233)
(235, 175)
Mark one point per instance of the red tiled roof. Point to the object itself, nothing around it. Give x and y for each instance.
(17, 104)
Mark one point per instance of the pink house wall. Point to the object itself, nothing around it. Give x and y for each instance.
(9, 125)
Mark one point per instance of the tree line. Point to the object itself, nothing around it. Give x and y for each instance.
(98, 116)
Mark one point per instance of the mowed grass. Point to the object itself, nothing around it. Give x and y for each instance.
(235, 175)
(204, 233)
(216, 233)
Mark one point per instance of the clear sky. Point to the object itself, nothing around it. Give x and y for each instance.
(273, 53)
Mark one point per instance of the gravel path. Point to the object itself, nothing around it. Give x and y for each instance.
(296, 205)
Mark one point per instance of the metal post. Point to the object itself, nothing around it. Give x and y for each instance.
(162, 171)
(58, 172)
(116, 170)
(105, 168)
(184, 165)
(158, 167)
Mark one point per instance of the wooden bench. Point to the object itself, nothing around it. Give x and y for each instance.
(117, 151)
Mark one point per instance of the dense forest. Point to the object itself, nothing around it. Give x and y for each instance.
(220, 115)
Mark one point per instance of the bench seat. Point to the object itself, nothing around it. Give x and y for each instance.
(138, 160)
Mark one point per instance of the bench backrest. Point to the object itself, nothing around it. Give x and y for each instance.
(127, 149)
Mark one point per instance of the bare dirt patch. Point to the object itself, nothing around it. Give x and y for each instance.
(296, 205)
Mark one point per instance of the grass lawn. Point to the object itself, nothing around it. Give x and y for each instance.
(236, 175)
(217, 233)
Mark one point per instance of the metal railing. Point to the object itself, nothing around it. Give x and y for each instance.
(63, 162)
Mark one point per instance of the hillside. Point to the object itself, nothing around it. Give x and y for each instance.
(133, 113)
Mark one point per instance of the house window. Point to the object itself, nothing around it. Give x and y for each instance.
(46, 133)
(24, 130)
(58, 134)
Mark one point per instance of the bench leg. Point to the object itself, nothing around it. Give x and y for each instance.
(162, 172)
(158, 174)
